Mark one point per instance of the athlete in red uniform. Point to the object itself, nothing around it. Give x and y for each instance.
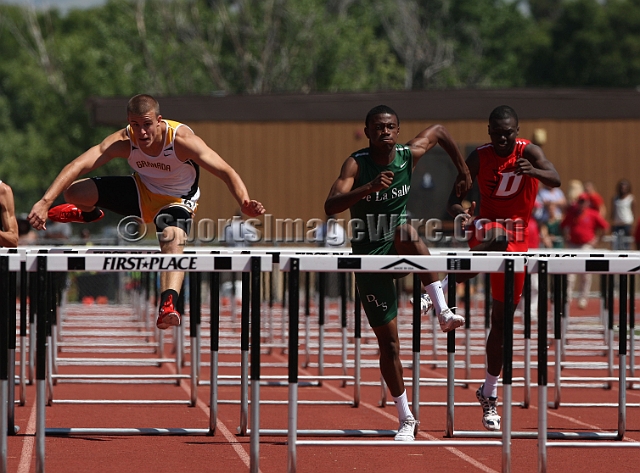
(508, 170)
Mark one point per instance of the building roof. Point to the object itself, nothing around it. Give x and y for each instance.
(435, 104)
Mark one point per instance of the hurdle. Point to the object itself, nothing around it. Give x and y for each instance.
(195, 329)
(393, 264)
(10, 264)
(621, 266)
(9, 316)
(42, 264)
(140, 314)
(595, 262)
(561, 324)
(272, 380)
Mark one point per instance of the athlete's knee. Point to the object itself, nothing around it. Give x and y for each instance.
(82, 192)
(407, 237)
(389, 349)
(171, 238)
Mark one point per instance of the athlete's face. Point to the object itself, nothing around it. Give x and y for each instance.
(382, 130)
(503, 133)
(146, 128)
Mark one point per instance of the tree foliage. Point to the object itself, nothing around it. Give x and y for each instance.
(52, 63)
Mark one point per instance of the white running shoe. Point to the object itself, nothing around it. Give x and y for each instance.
(450, 321)
(407, 430)
(490, 417)
(425, 303)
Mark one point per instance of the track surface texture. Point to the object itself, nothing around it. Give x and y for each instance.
(90, 331)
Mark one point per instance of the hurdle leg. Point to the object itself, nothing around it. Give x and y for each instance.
(357, 356)
(283, 319)
(292, 434)
(434, 336)
(343, 319)
(254, 465)
(23, 331)
(244, 354)
(507, 363)
(487, 305)
(5, 296)
(557, 321)
(41, 310)
(451, 360)
(467, 329)
(307, 320)
(194, 335)
(214, 304)
(632, 335)
(177, 347)
(417, 319)
(542, 367)
(271, 278)
(322, 279)
(33, 297)
(527, 339)
(603, 306)
(566, 312)
(12, 429)
(622, 359)
(23, 370)
(234, 305)
(610, 334)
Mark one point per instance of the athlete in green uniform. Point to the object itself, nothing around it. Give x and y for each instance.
(374, 183)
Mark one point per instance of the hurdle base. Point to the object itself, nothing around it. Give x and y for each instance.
(534, 435)
(72, 431)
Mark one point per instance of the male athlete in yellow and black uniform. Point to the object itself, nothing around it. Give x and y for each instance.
(166, 157)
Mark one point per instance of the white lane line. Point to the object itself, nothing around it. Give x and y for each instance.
(377, 410)
(226, 433)
(27, 444)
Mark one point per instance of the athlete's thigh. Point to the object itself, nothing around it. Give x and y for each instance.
(118, 194)
(174, 216)
(378, 296)
(497, 279)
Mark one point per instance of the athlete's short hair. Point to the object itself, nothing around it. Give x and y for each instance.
(141, 104)
(378, 110)
(502, 112)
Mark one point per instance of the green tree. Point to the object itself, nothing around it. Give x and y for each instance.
(591, 44)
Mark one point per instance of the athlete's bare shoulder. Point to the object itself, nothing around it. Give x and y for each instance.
(188, 145)
(116, 145)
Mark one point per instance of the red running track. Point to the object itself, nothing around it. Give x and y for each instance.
(228, 452)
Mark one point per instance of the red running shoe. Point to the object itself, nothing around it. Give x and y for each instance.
(69, 213)
(168, 316)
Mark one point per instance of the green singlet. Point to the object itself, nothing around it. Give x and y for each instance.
(374, 222)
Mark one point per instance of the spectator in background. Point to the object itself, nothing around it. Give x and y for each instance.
(26, 234)
(553, 202)
(581, 225)
(549, 210)
(575, 189)
(550, 231)
(622, 215)
(596, 202)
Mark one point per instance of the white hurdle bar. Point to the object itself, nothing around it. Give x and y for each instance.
(544, 266)
(396, 264)
(41, 264)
